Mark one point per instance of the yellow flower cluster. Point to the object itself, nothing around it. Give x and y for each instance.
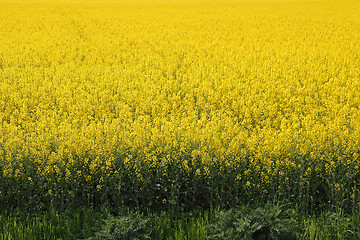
(265, 90)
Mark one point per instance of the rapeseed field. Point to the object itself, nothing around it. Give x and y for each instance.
(179, 103)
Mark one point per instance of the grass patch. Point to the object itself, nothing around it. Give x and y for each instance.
(266, 221)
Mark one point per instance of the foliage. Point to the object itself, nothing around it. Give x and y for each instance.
(128, 227)
(245, 222)
(267, 222)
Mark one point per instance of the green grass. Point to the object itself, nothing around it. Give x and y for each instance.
(74, 224)
(332, 225)
(191, 225)
(267, 221)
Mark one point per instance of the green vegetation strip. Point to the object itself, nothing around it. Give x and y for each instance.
(257, 222)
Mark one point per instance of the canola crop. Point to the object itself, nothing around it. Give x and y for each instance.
(179, 103)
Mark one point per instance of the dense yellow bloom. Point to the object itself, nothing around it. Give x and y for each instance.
(273, 87)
